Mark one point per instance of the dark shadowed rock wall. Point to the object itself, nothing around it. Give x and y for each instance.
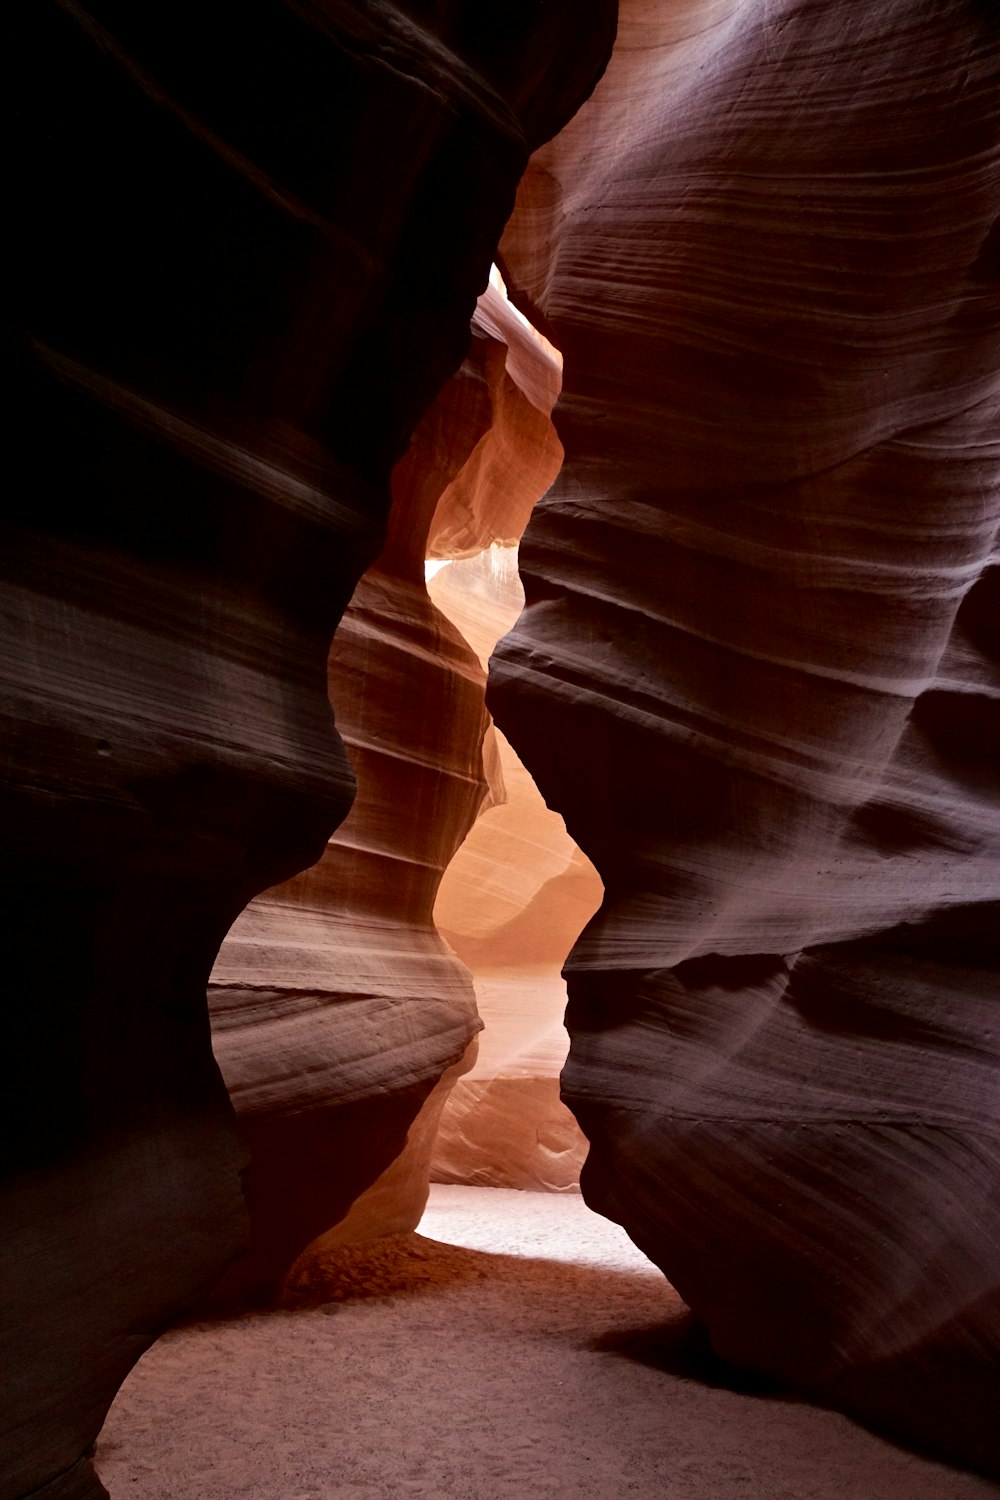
(763, 607)
(251, 239)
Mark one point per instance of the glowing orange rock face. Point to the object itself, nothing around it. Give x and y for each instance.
(336, 1006)
(518, 891)
(762, 610)
(512, 902)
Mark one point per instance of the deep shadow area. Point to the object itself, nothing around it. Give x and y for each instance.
(682, 1347)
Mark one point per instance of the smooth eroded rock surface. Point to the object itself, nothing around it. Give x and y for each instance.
(762, 606)
(335, 1004)
(512, 903)
(250, 241)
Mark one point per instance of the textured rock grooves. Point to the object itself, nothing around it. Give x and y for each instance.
(511, 904)
(763, 596)
(336, 1007)
(253, 239)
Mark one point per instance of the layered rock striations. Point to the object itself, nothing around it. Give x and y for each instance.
(338, 1012)
(762, 603)
(336, 1006)
(512, 902)
(251, 243)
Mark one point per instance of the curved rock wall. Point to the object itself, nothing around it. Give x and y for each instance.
(251, 239)
(762, 601)
(335, 1005)
(512, 903)
(337, 1010)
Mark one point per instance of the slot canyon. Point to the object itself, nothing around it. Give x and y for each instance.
(596, 407)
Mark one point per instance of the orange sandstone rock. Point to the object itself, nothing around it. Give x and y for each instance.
(336, 1006)
(511, 904)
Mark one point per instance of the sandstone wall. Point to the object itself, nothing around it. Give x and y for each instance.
(250, 242)
(762, 603)
(512, 903)
(336, 1006)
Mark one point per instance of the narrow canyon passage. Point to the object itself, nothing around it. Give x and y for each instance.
(739, 419)
(511, 904)
(518, 1345)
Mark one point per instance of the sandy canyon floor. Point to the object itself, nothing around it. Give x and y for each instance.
(518, 1346)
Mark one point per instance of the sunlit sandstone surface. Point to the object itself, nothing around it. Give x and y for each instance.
(512, 902)
(341, 1015)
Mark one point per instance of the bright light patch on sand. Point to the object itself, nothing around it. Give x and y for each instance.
(505, 1221)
